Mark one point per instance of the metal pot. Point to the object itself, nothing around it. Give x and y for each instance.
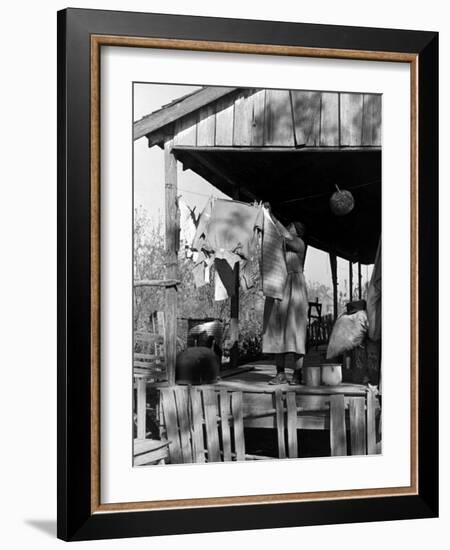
(198, 365)
(311, 375)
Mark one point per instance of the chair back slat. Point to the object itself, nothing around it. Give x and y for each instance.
(357, 419)
(371, 423)
(183, 413)
(169, 410)
(291, 407)
(210, 408)
(338, 436)
(198, 438)
(237, 409)
(225, 424)
(141, 407)
(279, 408)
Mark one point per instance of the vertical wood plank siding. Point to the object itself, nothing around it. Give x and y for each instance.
(242, 131)
(283, 118)
(278, 127)
(224, 122)
(351, 119)
(371, 120)
(186, 130)
(206, 126)
(306, 106)
(329, 120)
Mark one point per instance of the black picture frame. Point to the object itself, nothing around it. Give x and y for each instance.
(76, 521)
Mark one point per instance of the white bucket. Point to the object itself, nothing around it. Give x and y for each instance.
(331, 374)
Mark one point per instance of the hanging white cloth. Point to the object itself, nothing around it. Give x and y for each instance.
(188, 226)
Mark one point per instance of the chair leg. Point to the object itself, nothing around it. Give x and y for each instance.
(280, 423)
(338, 436)
(291, 407)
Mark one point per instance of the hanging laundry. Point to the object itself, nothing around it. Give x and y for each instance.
(188, 226)
(273, 258)
(199, 241)
(220, 292)
(201, 269)
(248, 273)
(198, 271)
(208, 265)
(227, 228)
(227, 274)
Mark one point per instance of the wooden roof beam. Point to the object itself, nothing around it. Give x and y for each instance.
(178, 109)
(279, 149)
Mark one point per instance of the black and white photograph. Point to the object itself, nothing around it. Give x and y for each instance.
(257, 295)
(225, 299)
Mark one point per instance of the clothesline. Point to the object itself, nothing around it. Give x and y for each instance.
(318, 195)
(328, 193)
(195, 192)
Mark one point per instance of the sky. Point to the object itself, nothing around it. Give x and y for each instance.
(194, 190)
(149, 162)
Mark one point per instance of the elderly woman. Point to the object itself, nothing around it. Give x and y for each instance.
(285, 320)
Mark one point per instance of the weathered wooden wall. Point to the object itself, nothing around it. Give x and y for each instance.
(283, 118)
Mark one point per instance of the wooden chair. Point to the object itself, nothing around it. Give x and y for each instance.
(203, 425)
(207, 425)
(148, 367)
(149, 361)
(346, 413)
(149, 451)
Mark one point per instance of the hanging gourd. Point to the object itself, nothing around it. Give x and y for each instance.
(341, 202)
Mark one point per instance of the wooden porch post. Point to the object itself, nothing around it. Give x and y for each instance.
(350, 280)
(333, 265)
(234, 309)
(172, 227)
(234, 320)
(359, 282)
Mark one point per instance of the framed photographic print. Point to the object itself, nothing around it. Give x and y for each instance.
(247, 274)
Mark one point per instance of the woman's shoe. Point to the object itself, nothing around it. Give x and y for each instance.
(296, 379)
(280, 378)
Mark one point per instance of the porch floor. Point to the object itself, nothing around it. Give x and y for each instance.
(254, 378)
